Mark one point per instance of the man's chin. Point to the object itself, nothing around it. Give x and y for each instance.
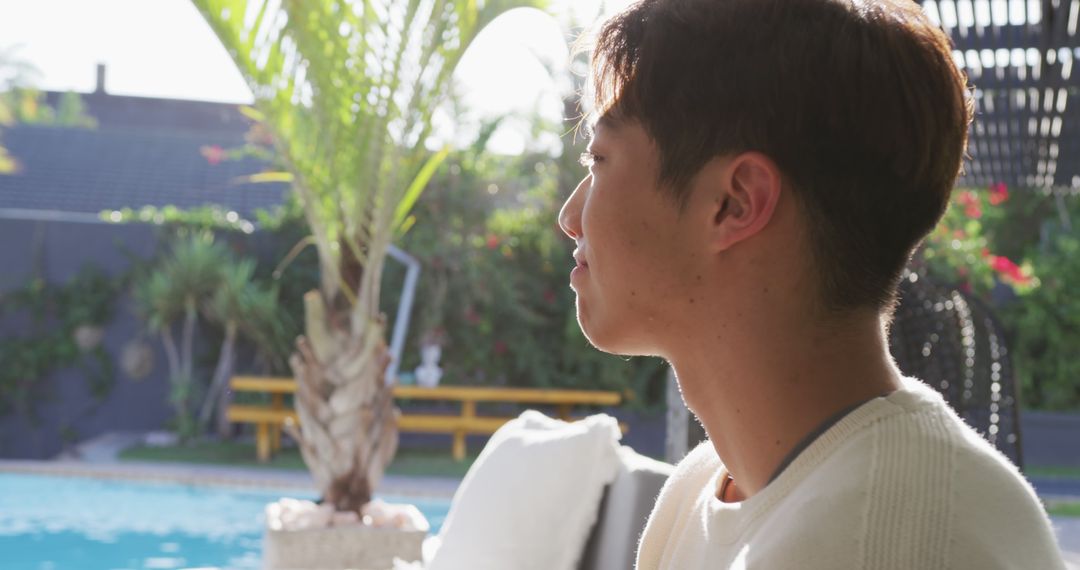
(609, 337)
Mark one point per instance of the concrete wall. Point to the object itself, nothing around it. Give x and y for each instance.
(58, 250)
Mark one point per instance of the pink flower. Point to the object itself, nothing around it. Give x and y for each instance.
(213, 153)
(500, 347)
(970, 201)
(549, 297)
(998, 193)
(492, 241)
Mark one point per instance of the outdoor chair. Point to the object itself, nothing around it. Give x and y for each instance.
(953, 342)
(550, 495)
(626, 505)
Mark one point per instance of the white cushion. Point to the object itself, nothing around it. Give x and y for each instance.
(531, 497)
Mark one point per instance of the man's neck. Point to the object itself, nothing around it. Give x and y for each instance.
(760, 392)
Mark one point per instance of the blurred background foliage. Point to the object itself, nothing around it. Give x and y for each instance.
(493, 289)
(1018, 250)
(495, 285)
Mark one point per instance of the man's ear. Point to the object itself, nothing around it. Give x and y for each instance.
(750, 185)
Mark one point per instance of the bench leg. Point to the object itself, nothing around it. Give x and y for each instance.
(277, 401)
(262, 442)
(564, 412)
(468, 410)
(275, 438)
(459, 445)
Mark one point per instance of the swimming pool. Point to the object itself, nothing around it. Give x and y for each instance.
(61, 523)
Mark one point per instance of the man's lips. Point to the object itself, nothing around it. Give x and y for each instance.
(579, 270)
(580, 259)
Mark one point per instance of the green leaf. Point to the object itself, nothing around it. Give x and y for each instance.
(264, 177)
(418, 185)
(406, 225)
(252, 113)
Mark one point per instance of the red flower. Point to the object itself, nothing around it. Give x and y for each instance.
(549, 297)
(500, 347)
(959, 234)
(492, 241)
(973, 211)
(1006, 267)
(1002, 264)
(213, 153)
(998, 193)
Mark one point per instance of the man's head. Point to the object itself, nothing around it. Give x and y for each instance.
(857, 105)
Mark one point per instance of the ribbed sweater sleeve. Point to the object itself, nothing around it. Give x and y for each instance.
(909, 508)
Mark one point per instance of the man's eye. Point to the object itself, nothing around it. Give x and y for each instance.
(587, 159)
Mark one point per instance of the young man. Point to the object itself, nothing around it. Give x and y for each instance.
(760, 173)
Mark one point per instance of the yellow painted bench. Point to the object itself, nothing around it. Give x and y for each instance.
(268, 420)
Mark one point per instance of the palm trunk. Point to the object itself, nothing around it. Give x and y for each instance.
(222, 372)
(187, 340)
(348, 421)
(171, 354)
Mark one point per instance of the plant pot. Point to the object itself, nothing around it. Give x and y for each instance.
(357, 546)
(88, 337)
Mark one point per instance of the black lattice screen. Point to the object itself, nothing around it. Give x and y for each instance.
(1021, 57)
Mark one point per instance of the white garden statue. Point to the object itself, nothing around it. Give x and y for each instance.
(429, 373)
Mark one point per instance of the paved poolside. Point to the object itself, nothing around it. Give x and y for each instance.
(188, 474)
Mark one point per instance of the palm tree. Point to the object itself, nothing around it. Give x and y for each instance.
(244, 309)
(175, 291)
(348, 89)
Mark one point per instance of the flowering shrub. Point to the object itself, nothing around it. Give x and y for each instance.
(991, 242)
(1045, 326)
(959, 250)
(495, 283)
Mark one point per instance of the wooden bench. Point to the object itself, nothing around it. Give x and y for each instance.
(269, 419)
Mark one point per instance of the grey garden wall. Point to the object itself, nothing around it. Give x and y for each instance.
(1051, 438)
(58, 250)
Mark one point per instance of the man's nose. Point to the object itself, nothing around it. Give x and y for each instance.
(570, 215)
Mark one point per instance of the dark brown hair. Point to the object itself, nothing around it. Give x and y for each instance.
(859, 103)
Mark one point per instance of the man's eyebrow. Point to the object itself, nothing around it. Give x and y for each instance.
(608, 122)
(588, 127)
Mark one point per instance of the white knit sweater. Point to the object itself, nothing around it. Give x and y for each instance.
(901, 482)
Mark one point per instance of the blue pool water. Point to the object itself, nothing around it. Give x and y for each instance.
(62, 523)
